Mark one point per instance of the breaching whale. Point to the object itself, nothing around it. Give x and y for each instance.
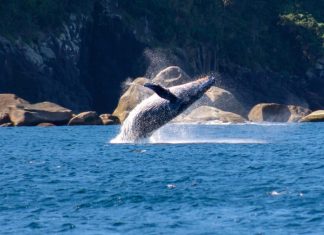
(160, 108)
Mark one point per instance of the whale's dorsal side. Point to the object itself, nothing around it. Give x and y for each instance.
(162, 92)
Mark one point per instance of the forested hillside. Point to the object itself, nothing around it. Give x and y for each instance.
(27, 18)
(282, 37)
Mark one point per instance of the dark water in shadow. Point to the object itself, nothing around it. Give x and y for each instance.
(225, 179)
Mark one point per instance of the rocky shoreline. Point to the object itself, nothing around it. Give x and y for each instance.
(15, 111)
(216, 106)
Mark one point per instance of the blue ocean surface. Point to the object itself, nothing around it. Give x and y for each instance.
(187, 179)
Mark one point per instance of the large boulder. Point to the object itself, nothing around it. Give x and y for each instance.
(86, 118)
(297, 113)
(272, 112)
(33, 114)
(221, 99)
(171, 76)
(134, 95)
(7, 100)
(108, 119)
(210, 114)
(317, 116)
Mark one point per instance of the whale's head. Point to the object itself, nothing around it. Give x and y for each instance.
(188, 93)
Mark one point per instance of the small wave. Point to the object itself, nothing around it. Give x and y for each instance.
(206, 123)
(118, 140)
(247, 123)
(189, 134)
(158, 139)
(275, 193)
(269, 123)
(115, 140)
(208, 141)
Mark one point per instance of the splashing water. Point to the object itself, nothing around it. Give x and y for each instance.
(185, 134)
(198, 134)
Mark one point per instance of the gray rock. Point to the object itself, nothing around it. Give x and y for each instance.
(317, 116)
(272, 112)
(32, 56)
(33, 114)
(47, 52)
(6, 101)
(221, 99)
(297, 113)
(171, 76)
(108, 119)
(205, 114)
(86, 118)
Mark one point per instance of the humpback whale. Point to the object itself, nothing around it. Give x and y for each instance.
(160, 108)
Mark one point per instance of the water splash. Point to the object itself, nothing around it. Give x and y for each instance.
(193, 134)
(209, 141)
(173, 135)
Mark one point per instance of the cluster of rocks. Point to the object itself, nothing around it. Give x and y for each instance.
(272, 112)
(217, 105)
(15, 111)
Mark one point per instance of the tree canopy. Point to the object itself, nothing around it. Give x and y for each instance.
(282, 35)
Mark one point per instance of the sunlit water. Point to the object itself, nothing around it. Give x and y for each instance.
(187, 179)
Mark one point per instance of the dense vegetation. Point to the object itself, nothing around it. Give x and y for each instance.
(280, 35)
(28, 17)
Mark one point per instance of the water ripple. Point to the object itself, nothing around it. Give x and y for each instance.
(232, 179)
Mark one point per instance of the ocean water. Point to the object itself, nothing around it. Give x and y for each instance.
(187, 179)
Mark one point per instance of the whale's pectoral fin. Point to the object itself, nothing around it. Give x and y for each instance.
(162, 92)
